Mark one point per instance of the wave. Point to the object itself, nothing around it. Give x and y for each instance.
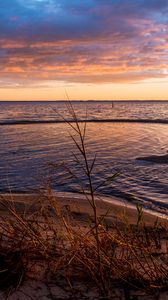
(31, 122)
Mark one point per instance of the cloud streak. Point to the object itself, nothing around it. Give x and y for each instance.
(87, 42)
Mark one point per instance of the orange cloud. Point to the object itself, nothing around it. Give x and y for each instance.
(97, 42)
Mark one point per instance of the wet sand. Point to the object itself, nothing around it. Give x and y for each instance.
(114, 208)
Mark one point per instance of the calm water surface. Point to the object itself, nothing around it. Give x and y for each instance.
(29, 151)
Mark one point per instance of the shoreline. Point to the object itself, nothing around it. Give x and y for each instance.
(118, 208)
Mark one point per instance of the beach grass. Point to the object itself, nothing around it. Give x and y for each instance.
(55, 243)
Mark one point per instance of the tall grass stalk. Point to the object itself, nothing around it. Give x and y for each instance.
(87, 169)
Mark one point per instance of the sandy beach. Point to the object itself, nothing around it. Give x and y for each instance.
(113, 210)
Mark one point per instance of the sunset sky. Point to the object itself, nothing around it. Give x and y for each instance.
(95, 49)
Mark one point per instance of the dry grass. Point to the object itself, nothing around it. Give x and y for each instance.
(127, 256)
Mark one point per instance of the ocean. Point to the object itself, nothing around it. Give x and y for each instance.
(36, 148)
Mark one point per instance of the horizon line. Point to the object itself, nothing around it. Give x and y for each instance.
(91, 100)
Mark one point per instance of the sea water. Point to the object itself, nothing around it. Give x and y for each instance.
(36, 148)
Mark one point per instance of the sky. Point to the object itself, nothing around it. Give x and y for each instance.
(93, 49)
